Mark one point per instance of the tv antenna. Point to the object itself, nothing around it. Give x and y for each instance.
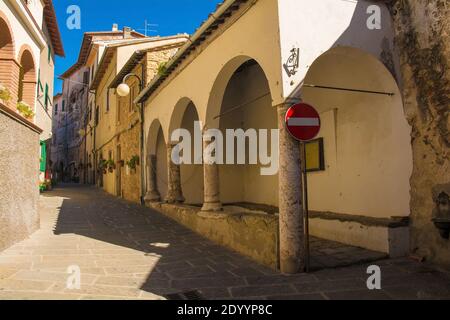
(148, 27)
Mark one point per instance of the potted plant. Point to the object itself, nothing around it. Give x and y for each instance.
(25, 110)
(134, 161)
(102, 166)
(42, 186)
(48, 184)
(5, 95)
(162, 68)
(111, 165)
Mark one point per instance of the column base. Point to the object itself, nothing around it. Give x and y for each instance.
(291, 265)
(212, 206)
(152, 196)
(174, 199)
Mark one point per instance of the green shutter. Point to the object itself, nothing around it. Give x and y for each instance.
(43, 160)
(46, 97)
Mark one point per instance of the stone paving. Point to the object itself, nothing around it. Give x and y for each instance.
(126, 251)
(330, 254)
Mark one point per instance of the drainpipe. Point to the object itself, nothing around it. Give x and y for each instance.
(143, 180)
(141, 80)
(94, 146)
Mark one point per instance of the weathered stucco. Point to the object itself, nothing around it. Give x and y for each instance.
(19, 167)
(422, 38)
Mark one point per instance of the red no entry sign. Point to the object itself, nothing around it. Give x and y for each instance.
(303, 122)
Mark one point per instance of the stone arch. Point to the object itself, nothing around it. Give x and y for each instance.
(220, 84)
(8, 65)
(152, 136)
(184, 116)
(27, 78)
(242, 97)
(178, 113)
(7, 46)
(156, 163)
(367, 143)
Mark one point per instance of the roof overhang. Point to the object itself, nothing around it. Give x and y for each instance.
(102, 67)
(135, 59)
(53, 29)
(86, 46)
(224, 11)
(111, 49)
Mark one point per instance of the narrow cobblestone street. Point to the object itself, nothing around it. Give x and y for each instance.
(125, 251)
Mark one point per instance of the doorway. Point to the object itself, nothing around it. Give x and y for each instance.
(119, 172)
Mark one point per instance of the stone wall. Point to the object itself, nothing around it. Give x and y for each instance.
(129, 125)
(130, 179)
(251, 234)
(19, 172)
(422, 29)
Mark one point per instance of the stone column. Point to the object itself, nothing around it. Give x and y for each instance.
(174, 192)
(152, 189)
(290, 200)
(211, 183)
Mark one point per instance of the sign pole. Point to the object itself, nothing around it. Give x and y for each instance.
(303, 123)
(306, 209)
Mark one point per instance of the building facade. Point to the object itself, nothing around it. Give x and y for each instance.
(381, 175)
(120, 170)
(75, 131)
(246, 65)
(29, 42)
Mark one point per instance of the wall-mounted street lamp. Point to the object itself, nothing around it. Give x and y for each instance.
(123, 90)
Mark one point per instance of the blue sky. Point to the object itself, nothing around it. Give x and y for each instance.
(172, 16)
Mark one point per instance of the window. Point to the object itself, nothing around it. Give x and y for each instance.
(86, 77)
(92, 72)
(43, 162)
(63, 106)
(132, 97)
(107, 100)
(119, 107)
(90, 112)
(46, 97)
(97, 115)
(56, 109)
(39, 86)
(21, 78)
(49, 53)
(109, 155)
